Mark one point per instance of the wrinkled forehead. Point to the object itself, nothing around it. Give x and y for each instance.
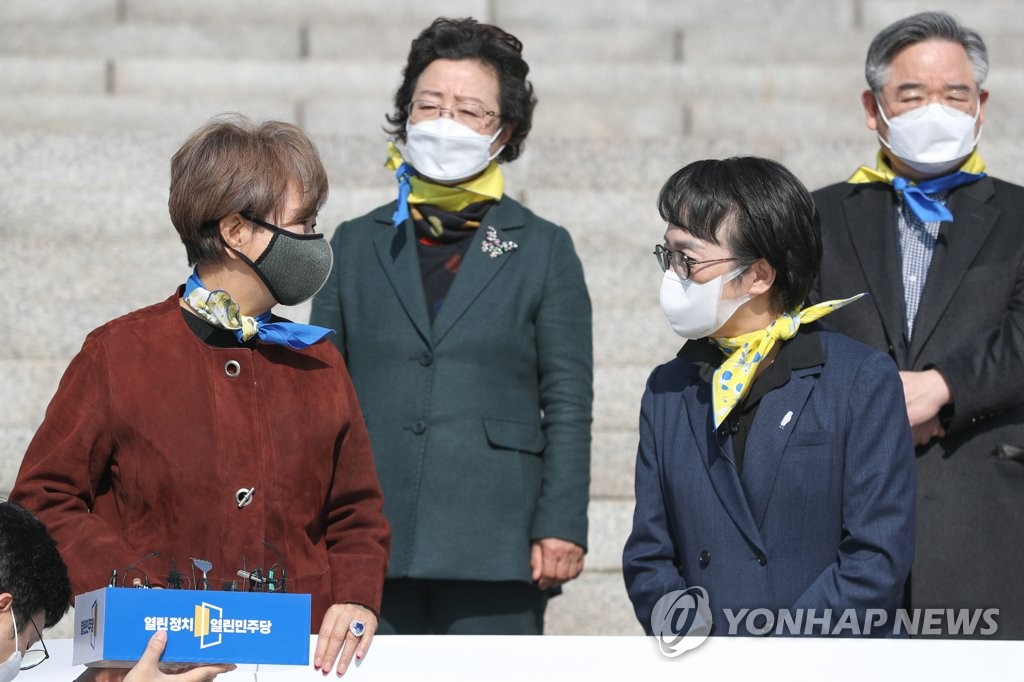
(931, 63)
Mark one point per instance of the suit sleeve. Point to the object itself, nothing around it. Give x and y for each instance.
(649, 564)
(66, 465)
(565, 370)
(879, 479)
(326, 310)
(983, 369)
(357, 535)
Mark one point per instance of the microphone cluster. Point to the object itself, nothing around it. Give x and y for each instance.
(272, 580)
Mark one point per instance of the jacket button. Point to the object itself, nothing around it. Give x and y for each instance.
(705, 558)
(426, 358)
(419, 428)
(762, 559)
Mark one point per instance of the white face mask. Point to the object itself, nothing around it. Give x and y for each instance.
(931, 139)
(10, 668)
(697, 310)
(447, 151)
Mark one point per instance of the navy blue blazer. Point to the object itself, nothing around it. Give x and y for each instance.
(822, 516)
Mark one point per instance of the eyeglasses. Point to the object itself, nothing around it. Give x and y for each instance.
(467, 113)
(307, 230)
(34, 657)
(680, 262)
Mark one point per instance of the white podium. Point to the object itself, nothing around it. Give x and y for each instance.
(538, 659)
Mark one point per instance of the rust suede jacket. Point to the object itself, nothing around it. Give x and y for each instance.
(148, 438)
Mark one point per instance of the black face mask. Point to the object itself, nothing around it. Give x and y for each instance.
(293, 266)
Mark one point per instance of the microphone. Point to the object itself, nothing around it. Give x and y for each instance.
(131, 567)
(175, 578)
(279, 585)
(255, 578)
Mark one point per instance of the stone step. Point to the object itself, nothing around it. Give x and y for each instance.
(779, 14)
(119, 40)
(985, 17)
(610, 523)
(14, 442)
(613, 460)
(288, 12)
(52, 75)
(311, 78)
(796, 15)
(708, 46)
(56, 12)
(173, 117)
(594, 604)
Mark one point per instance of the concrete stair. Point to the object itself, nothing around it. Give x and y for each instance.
(97, 95)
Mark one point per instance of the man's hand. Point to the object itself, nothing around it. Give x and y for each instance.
(554, 561)
(336, 637)
(148, 668)
(925, 394)
(924, 433)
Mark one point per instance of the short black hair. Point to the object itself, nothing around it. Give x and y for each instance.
(31, 569)
(490, 45)
(773, 217)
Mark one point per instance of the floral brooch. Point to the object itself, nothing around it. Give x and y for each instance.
(493, 246)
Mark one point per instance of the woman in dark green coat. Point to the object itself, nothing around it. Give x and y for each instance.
(466, 325)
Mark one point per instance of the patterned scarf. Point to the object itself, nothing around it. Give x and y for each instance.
(915, 194)
(488, 186)
(219, 309)
(442, 239)
(732, 380)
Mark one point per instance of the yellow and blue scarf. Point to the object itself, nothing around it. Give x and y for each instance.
(488, 186)
(219, 309)
(732, 380)
(915, 194)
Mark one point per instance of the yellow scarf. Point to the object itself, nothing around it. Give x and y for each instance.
(734, 377)
(883, 171)
(488, 186)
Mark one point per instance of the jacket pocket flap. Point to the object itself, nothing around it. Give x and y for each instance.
(514, 435)
(808, 438)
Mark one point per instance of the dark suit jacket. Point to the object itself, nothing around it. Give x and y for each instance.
(480, 422)
(970, 326)
(822, 516)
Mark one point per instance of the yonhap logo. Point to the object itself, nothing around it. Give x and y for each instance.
(681, 620)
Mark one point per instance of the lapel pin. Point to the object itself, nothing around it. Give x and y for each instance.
(494, 246)
(785, 419)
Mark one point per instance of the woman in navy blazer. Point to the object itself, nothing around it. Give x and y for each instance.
(775, 469)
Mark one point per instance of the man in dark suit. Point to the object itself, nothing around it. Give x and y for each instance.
(939, 245)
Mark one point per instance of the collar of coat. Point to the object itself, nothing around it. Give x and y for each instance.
(801, 352)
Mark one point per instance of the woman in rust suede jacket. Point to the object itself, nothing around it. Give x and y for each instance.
(203, 426)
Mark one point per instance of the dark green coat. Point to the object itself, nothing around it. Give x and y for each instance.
(479, 422)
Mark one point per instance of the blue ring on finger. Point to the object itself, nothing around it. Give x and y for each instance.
(357, 628)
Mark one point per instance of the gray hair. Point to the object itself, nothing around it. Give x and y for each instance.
(916, 29)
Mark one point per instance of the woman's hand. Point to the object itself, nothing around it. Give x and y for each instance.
(554, 562)
(336, 637)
